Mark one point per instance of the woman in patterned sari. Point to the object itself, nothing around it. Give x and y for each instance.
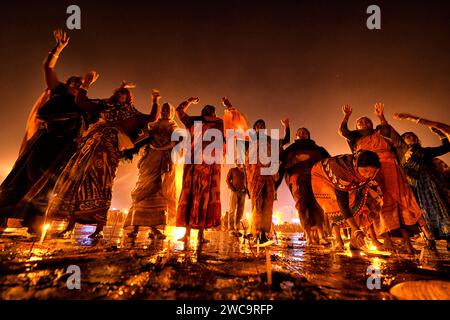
(154, 196)
(427, 182)
(83, 192)
(344, 188)
(199, 206)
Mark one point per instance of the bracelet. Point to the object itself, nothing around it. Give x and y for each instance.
(53, 54)
(418, 120)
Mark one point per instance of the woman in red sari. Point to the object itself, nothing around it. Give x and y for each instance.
(83, 192)
(400, 210)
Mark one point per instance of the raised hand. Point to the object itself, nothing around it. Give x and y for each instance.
(226, 103)
(438, 132)
(62, 39)
(285, 122)
(156, 95)
(193, 100)
(90, 78)
(379, 109)
(347, 110)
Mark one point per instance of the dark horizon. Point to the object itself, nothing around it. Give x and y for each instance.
(296, 59)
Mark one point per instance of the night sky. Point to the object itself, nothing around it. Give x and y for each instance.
(273, 59)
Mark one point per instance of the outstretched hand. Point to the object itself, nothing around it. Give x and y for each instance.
(285, 122)
(62, 39)
(156, 95)
(193, 100)
(379, 109)
(90, 78)
(403, 116)
(347, 110)
(226, 103)
(438, 132)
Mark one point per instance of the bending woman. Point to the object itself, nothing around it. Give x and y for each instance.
(400, 210)
(344, 188)
(84, 190)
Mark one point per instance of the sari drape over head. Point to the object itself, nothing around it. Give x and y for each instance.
(154, 196)
(340, 173)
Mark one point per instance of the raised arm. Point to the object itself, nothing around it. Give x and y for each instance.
(386, 130)
(62, 40)
(82, 100)
(433, 152)
(154, 113)
(287, 133)
(182, 108)
(144, 119)
(445, 128)
(350, 135)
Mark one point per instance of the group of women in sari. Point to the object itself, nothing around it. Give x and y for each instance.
(388, 185)
(402, 193)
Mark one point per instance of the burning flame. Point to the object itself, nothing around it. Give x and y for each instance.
(44, 231)
(175, 232)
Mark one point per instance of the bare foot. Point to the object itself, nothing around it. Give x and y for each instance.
(65, 234)
(339, 246)
(96, 235)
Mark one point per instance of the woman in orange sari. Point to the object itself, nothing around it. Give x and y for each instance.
(262, 187)
(400, 210)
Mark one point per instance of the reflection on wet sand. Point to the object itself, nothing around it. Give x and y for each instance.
(227, 267)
